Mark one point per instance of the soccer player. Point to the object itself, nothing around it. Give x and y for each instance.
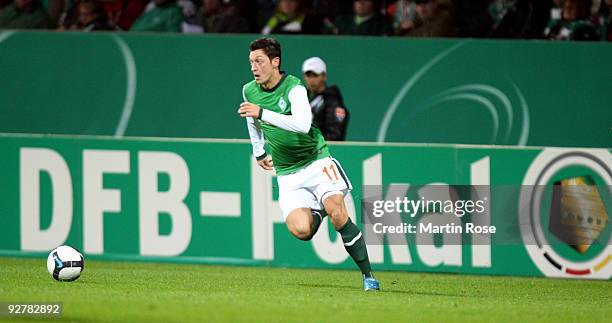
(277, 111)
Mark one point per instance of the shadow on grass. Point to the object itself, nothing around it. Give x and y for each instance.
(404, 292)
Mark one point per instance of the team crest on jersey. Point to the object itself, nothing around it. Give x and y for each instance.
(340, 113)
(282, 104)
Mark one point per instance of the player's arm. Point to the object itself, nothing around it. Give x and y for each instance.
(299, 120)
(258, 141)
(257, 138)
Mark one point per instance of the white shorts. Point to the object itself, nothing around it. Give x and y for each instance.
(311, 185)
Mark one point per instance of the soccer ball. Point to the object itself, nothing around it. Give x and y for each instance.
(65, 263)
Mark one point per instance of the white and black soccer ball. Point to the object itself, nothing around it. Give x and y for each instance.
(65, 263)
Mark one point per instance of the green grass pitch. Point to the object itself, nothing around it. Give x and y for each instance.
(153, 292)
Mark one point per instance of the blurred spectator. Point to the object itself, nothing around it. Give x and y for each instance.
(290, 18)
(499, 8)
(192, 17)
(365, 20)
(66, 11)
(24, 14)
(511, 18)
(404, 15)
(434, 20)
(555, 16)
(603, 20)
(517, 19)
(160, 16)
(595, 4)
(57, 10)
(575, 22)
(555, 11)
(328, 111)
(92, 17)
(223, 17)
(123, 13)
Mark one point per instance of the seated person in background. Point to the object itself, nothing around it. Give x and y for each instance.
(57, 10)
(123, 13)
(192, 17)
(291, 18)
(365, 20)
(92, 17)
(160, 16)
(434, 20)
(404, 16)
(24, 14)
(603, 20)
(575, 22)
(555, 16)
(499, 8)
(223, 17)
(328, 111)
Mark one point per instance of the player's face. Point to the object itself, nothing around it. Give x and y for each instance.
(261, 66)
(314, 82)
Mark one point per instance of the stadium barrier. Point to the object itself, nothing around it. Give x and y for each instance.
(206, 201)
(397, 90)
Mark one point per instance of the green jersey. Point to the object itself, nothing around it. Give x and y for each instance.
(291, 151)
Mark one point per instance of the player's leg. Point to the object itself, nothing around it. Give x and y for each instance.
(299, 207)
(331, 189)
(354, 243)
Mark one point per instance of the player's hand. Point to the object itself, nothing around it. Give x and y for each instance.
(248, 109)
(266, 163)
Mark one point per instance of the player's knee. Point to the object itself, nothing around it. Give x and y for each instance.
(302, 232)
(300, 225)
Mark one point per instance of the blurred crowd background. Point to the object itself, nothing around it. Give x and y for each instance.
(528, 19)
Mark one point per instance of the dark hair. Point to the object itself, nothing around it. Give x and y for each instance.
(270, 46)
